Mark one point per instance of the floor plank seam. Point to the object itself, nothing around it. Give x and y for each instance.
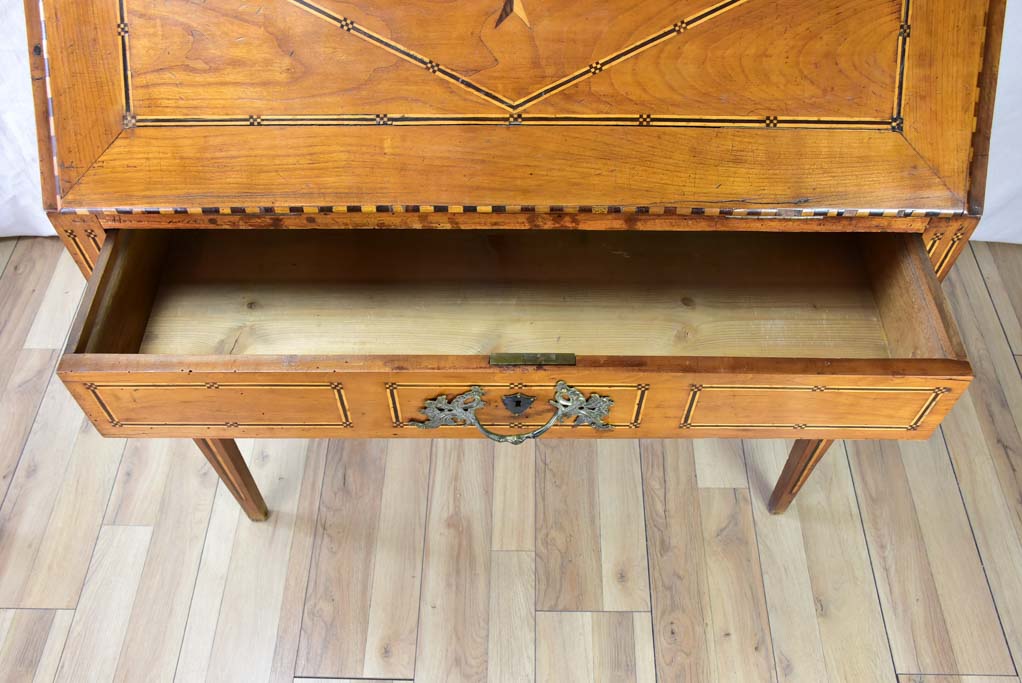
(35, 416)
(649, 560)
(872, 565)
(990, 296)
(220, 607)
(308, 573)
(49, 516)
(195, 581)
(109, 497)
(538, 469)
(422, 558)
(979, 552)
(7, 262)
(759, 556)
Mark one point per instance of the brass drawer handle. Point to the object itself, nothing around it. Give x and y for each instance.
(568, 402)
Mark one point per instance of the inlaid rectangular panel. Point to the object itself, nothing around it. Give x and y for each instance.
(504, 401)
(231, 405)
(876, 408)
(701, 63)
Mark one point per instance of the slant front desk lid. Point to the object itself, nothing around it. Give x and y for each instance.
(754, 107)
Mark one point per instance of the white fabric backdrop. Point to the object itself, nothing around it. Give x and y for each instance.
(19, 177)
(19, 160)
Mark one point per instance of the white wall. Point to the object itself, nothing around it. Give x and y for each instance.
(19, 176)
(19, 166)
(1002, 216)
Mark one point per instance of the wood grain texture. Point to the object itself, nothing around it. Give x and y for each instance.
(798, 650)
(511, 655)
(827, 544)
(836, 67)
(816, 573)
(91, 653)
(22, 288)
(514, 497)
(962, 583)
(988, 77)
(941, 77)
(720, 463)
(361, 611)
(739, 623)
(84, 55)
(742, 294)
(21, 398)
(83, 237)
(336, 619)
(57, 309)
(1001, 266)
(564, 647)
(454, 605)
(34, 34)
(983, 436)
(207, 596)
(912, 307)
(842, 576)
(823, 303)
(659, 218)
(945, 239)
(804, 457)
(246, 630)
(591, 647)
(34, 491)
(569, 571)
(7, 245)
(46, 669)
(991, 513)
(142, 478)
(725, 68)
(227, 461)
(932, 599)
(59, 558)
(160, 612)
(679, 167)
(292, 609)
(956, 679)
(23, 647)
(678, 582)
(997, 395)
(623, 562)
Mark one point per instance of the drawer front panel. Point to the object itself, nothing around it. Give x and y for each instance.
(669, 399)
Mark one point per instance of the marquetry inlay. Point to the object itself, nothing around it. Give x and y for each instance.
(513, 7)
(516, 109)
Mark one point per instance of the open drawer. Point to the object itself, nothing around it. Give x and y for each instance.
(221, 333)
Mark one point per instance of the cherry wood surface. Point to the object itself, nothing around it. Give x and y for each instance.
(695, 105)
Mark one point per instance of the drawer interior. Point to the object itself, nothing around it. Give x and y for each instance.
(420, 292)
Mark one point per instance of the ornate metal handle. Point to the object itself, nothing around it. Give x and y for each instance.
(568, 402)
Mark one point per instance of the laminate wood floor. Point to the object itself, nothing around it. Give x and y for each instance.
(588, 561)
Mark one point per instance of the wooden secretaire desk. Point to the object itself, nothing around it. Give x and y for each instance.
(514, 218)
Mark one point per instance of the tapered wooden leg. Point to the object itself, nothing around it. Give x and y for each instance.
(224, 456)
(805, 454)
